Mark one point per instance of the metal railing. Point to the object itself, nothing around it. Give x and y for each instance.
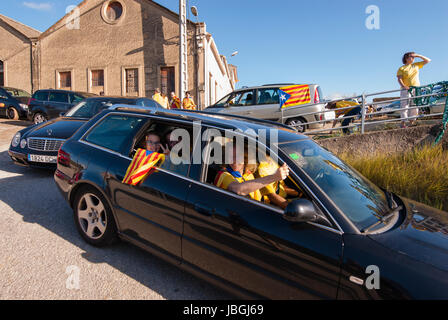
(369, 114)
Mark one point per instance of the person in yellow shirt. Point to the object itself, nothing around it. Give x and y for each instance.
(236, 178)
(188, 102)
(157, 97)
(164, 101)
(408, 76)
(276, 192)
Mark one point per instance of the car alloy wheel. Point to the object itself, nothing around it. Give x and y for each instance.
(39, 118)
(297, 124)
(13, 114)
(93, 218)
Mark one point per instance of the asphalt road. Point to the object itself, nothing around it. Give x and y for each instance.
(43, 257)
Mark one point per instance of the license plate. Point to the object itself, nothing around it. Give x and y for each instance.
(39, 158)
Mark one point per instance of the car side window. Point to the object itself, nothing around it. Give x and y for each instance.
(74, 98)
(276, 195)
(41, 96)
(58, 97)
(243, 98)
(267, 96)
(178, 153)
(115, 132)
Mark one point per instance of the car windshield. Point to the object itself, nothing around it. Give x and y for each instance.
(359, 199)
(17, 92)
(87, 109)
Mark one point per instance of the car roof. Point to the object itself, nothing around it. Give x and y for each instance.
(221, 121)
(114, 98)
(87, 94)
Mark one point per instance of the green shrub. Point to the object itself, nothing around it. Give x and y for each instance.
(420, 174)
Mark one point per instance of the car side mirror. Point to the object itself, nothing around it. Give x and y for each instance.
(300, 210)
(303, 210)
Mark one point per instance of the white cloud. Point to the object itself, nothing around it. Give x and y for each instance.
(38, 6)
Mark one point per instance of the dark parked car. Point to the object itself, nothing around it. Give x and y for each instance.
(13, 102)
(328, 243)
(38, 145)
(49, 104)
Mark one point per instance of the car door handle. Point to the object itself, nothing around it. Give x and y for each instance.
(203, 210)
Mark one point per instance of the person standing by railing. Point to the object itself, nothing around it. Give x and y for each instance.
(408, 76)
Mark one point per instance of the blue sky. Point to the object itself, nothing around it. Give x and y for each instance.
(319, 41)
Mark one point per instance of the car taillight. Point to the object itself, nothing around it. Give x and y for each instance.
(63, 158)
(316, 96)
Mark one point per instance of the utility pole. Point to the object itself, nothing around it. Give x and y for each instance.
(183, 65)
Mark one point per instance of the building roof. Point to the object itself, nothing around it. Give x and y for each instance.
(23, 29)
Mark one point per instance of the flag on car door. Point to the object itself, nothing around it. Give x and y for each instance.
(298, 94)
(143, 164)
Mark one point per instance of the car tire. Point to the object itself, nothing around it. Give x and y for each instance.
(12, 113)
(39, 118)
(298, 124)
(93, 218)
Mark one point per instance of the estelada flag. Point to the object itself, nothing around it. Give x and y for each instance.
(143, 164)
(299, 94)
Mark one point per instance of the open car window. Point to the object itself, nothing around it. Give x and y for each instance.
(217, 160)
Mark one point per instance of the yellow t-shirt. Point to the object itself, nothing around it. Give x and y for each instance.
(224, 179)
(410, 73)
(189, 104)
(157, 97)
(266, 168)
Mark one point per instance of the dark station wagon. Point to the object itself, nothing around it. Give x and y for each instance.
(342, 238)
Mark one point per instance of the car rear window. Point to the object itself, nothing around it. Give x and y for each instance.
(58, 97)
(115, 132)
(41, 95)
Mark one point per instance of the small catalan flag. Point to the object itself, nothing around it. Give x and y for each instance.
(298, 94)
(143, 164)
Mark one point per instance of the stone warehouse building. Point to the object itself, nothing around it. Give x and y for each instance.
(115, 47)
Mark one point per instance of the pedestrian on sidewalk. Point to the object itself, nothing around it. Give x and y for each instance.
(408, 76)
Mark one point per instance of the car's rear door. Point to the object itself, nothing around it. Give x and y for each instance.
(267, 104)
(58, 103)
(151, 213)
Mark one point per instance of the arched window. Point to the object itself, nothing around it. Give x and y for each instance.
(2, 74)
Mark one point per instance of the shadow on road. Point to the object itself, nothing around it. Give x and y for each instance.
(20, 123)
(33, 194)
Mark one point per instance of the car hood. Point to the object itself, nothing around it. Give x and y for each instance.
(422, 236)
(59, 128)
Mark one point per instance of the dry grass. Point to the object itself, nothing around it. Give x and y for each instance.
(421, 175)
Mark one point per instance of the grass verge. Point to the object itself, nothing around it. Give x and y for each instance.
(420, 174)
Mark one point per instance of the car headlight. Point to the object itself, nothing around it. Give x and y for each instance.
(23, 143)
(24, 106)
(16, 139)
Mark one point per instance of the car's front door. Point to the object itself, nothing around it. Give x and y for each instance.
(253, 247)
(241, 103)
(250, 245)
